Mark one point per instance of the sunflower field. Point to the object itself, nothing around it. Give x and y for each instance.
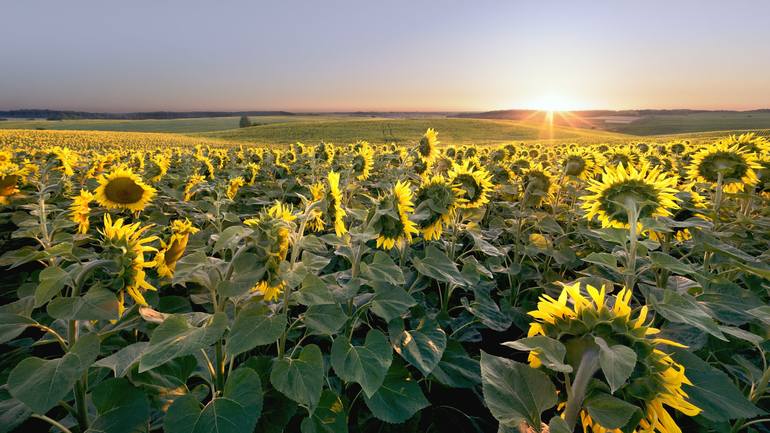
(152, 283)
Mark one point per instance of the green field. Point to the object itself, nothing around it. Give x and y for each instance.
(381, 130)
(182, 126)
(696, 122)
(458, 131)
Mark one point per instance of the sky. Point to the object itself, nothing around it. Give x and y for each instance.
(394, 55)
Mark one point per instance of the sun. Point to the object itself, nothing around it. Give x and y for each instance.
(553, 103)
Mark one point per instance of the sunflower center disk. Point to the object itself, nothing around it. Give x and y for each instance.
(123, 190)
(615, 200)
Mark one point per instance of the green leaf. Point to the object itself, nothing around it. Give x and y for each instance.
(617, 363)
(606, 260)
(236, 411)
(122, 407)
(391, 301)
(456, 369)
(713, 391)
(383, 269)
(12, 411)
(329, 416)
(551, 352)
(761, 313)
(230, 237)
(12, 325)
(558, 425)
(438, 266)
(366, 365)
(399, 397)
(422, 346)
(487, 310)
(314, 291)
(122, 360)
(301, 379)
(52, 280)
(97, 304)
(254, 326)
(665, 261)
(175, 337)
(683, 308)
(515, 392)
(41, 383)
(611, 412)
(325, 319)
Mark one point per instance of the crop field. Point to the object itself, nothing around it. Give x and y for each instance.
(182, 126)
(695, 122)
(373, 274)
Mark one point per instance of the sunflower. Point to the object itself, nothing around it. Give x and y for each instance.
(122, 189)
(10, 175)
(620, 156)
(335, 203)
(194, 180)
(750, 142)
(324, 152)
(437, 204)
(272, 231)
(427, 149)
(577, 165)
(125, 244)
(537, 184)
(363, 161)
(649, 191)
(171, 252)
(475, 185)
(81, 211)
(233, 186)
(392, 218)
(578, 321)
(315, 221)
(66, 159)
(727, 160)
(253, 172)
(161, 164)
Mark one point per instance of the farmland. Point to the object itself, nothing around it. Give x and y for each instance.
(377, 274)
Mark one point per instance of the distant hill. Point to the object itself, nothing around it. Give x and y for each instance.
(526, 114)
(144, 115)
(639, 122)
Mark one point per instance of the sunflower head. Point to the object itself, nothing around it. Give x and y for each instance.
(81, 211)
(122, 189)
(427, 148)
(577, 165)
(537, 184)
(585, 323)
(363, 160)
(475, 185)
(646, 191)
(233, 186)
(727, 160)
(392, 221)
(334, 203)
(171, 251)
(272, 234)
(124, 244)
(436, 206)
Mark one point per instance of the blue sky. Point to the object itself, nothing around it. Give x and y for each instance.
(394, 55)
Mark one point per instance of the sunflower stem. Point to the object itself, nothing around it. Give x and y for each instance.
(295, 250)
(589, 365)
(632, 238)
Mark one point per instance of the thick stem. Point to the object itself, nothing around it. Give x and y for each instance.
(632, 238)
(589, 365)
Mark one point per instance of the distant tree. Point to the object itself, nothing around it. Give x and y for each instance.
(245, 122)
